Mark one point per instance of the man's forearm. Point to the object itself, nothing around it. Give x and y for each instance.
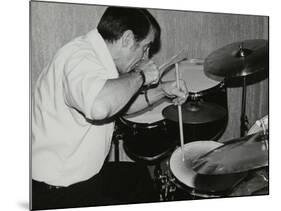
(140, 103)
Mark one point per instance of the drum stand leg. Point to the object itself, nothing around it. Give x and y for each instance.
(116, 150)
(117, 137)
(244, 120)
(164, 185)
(159, 181)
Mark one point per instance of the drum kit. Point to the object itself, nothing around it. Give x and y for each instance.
(210, 168)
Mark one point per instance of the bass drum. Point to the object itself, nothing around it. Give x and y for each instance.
(201, 88)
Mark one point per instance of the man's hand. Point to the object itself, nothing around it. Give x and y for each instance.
(150, 71)
(170, 89)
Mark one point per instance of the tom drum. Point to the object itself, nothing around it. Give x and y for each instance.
(201, 88)
(147, 136)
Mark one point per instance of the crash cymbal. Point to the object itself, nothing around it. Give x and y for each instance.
(196, 112)
(237, 59)
(238, 155)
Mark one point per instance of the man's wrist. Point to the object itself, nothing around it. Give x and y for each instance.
(161, 85)
(143, 78)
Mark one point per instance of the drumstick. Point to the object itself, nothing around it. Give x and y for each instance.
(180, 113)
(182, 55)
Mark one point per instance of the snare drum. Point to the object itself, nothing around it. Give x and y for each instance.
(147, 136)
(201, 88)
(201, 186)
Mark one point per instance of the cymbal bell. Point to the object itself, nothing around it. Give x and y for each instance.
(237, 59)
(237, 155)
(196, 112)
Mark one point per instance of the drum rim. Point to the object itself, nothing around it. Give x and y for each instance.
(192, 190)
(207, 91)
(182, 185)
(141, 125)
(200, 62)
(147, 159)
(161, 104)
(203, 194)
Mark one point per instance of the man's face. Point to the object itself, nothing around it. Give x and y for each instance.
(135, 53)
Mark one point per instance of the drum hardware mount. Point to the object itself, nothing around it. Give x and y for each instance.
(244, 126)
(164, 128)
(164, 184)
(117, 136)
(244, 123)
(135, 132)
(195, 96)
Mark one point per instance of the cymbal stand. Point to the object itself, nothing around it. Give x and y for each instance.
(244, 123)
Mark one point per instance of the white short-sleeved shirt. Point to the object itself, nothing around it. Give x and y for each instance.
(66, 148)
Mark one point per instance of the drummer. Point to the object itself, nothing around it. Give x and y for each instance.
(91, 80)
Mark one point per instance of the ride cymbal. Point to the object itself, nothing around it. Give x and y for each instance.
(237, 59)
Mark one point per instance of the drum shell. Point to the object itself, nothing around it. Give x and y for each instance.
(148, 143)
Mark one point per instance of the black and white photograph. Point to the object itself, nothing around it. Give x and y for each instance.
(134, 105)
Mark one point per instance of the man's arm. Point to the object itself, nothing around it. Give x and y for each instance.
(142, 101)
(166, 89)
(115, 94)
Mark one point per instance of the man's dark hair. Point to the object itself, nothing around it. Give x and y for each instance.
(116, 20)
(156, 44)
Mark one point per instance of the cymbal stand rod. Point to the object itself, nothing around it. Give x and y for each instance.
(180, 113)
(243, 119)
(264, 133)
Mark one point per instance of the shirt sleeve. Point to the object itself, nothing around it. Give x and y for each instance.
(84, 77)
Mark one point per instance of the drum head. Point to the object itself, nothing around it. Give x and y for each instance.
(194, 76)
(182, 170)
(149, 115)
(211, 185)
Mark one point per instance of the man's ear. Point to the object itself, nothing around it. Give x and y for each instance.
(128, 38)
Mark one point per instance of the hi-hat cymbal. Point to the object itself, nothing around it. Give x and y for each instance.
(237, 59)
(237, 155)
(196, 112)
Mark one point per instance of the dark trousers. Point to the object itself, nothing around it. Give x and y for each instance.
(117, 183)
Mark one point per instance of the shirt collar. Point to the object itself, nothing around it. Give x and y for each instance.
(102, 51)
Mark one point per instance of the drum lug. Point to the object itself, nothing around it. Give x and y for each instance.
(135, 132)
(164, 128)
